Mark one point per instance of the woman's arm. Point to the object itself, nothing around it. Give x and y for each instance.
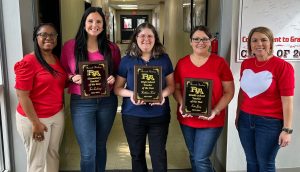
(168, 90)
(120, 89)
(177, 94)
(228, 92)
(38, 128)
(179, 99)
(170, 86)
(287, 107)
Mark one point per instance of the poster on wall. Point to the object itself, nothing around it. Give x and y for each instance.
(281, 17)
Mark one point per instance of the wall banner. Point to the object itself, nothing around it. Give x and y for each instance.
(280, 16)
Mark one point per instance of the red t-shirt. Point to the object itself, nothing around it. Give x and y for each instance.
(215, 69)
(46, 90)
(263, 84)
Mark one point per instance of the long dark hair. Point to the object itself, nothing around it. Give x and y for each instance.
(37, 50)
(81, 51)
(133, 48)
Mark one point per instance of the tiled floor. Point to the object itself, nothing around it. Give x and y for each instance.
(118, 157)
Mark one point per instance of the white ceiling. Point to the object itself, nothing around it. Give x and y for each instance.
(142, 4)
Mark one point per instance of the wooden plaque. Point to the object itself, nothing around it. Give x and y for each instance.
(148, 83)
(94, 79)
(197, 97)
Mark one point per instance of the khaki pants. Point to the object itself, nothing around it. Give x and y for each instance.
(42, 156)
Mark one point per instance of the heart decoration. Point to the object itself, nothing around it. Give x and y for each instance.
(254, 84)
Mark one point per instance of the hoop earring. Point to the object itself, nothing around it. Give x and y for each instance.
(270, 52)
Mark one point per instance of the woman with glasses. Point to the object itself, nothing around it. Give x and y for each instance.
(201, 133)
(40, 83)
(265, 104)
(142, 119)
(92, 117)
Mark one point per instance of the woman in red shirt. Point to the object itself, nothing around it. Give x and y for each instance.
(40, 83)
(265, 102)
(201, 133)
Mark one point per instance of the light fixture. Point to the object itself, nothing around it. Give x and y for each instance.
(127, 7)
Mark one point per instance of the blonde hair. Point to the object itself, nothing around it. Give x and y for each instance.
(264, 30)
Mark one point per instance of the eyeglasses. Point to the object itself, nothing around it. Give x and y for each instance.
(198, 40)
(146, 36)
(44, 35)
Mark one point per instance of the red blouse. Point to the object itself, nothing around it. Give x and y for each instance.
(46, 90)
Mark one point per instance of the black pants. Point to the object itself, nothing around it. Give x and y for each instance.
(136, 130)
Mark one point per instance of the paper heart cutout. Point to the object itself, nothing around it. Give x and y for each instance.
(254, 84)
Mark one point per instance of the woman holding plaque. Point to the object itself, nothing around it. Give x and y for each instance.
(141, 119)
(201, 132)
(265, 102)
(40, 83)
(92, 117)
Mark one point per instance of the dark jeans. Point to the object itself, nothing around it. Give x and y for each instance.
(200, 143)
(136, 130)
(92, 122)
(259, 137)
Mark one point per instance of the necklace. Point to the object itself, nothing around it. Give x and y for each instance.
(264, 64)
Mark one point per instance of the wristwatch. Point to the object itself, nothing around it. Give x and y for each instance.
(71, 79)
(287, 130)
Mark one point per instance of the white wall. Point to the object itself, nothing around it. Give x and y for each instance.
(13, 46)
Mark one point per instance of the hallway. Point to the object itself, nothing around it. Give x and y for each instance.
(118, 155)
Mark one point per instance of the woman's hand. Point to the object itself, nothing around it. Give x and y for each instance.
(77, 79)
(111, 80)
(212, 116)
(38, 130)
(138, 102)
(158, 103)
(284, 139)
(184, 115)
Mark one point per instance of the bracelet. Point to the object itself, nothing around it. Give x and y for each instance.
(287, 130)
(217, 111)
(71, 78)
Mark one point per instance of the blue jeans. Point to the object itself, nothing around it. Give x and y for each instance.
(259, 137)
(200, 143)
(136, 130)
(92, 122)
